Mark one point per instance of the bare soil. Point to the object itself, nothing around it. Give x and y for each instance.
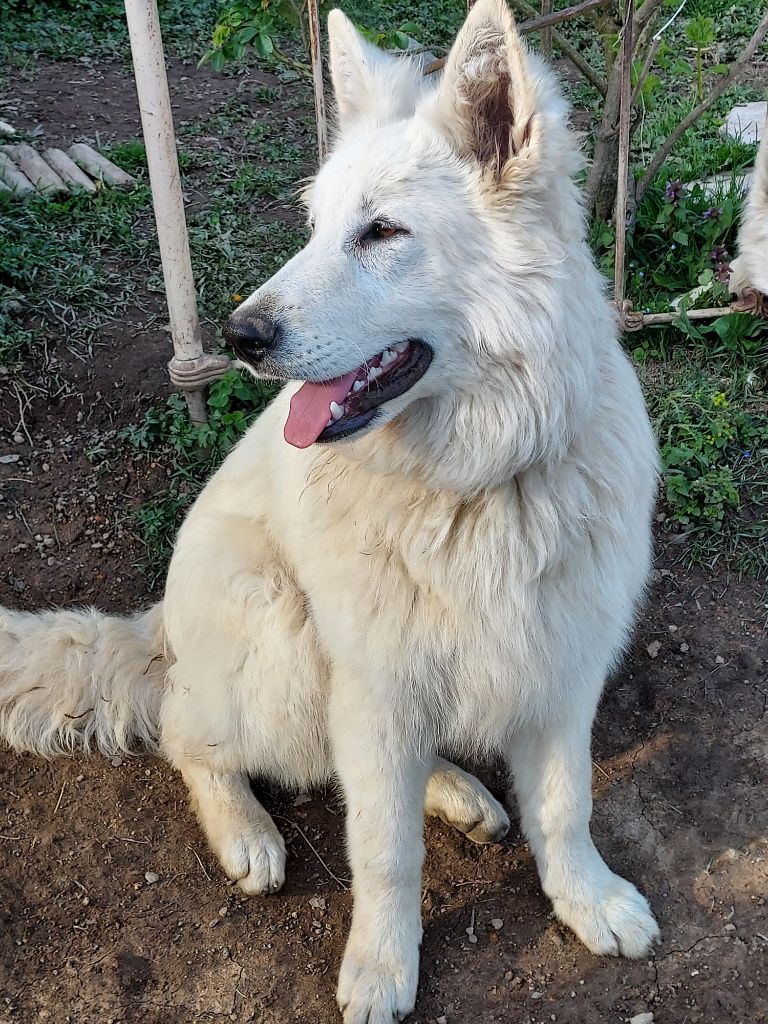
(680, 778)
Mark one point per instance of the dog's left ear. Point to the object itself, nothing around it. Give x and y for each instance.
(487, 98)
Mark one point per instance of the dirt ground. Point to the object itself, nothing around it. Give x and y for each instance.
(112, 908)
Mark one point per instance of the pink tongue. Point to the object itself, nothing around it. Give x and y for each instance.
(311, 409)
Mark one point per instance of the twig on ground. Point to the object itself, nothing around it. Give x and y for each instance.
(202, 866)
(342, 882)
(61, 794)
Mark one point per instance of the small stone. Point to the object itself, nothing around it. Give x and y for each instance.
(641, 1018)
(536, 995)
(684, 648)
(6, 460)
(730, 927)
(653, 648)
(719, 660)
(441, 1020)
(46, 467)
(116, 762)
(152, 877)
(497, 923)
(317, 902)
(672, 629)
(18, 438)
(222, 911)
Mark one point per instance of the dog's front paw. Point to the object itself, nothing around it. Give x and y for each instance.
(377, 988)
(618, 922)
(254, 857)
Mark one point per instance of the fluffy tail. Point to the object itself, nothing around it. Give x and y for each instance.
(74, 680)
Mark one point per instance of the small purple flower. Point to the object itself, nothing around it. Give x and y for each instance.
(674, 191)
(713, 213)
(721, 259)
(746, 455)
(673, 246)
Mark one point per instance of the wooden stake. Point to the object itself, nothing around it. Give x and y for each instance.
(98, 166)
(43, 177)
(546, 33)
(316, 58)
(68, 170)
(12, 176)
(622, 182)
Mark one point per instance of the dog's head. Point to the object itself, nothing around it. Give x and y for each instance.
(441, 223)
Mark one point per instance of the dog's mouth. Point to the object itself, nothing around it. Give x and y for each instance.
(332, 409)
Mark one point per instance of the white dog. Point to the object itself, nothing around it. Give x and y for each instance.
(436, 542)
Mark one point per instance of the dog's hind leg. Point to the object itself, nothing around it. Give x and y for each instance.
(240, 831)
(461, 800)
(552, 770)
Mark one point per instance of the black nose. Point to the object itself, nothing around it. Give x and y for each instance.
(250, 334)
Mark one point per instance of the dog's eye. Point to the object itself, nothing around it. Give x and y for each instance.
(380, 231)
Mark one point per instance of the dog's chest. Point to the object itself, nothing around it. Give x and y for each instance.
(430, 593)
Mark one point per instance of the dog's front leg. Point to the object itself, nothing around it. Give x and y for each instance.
(384, 778)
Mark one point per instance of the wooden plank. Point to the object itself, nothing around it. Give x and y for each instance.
(68, 170)
(98, 167)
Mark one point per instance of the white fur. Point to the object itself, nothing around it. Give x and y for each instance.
(462, 576)
(750, 268)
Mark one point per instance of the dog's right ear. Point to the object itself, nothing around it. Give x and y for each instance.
(488, 97)
(354, 65)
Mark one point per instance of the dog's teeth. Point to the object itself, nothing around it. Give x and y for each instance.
(374, 372)
(400, 347)
(387, 357)
(358, 385)
(336, 412)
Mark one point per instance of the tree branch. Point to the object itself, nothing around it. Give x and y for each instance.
(568, 51)
(644, 14)
(735, 71)
(556, 17)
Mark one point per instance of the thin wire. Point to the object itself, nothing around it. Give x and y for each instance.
(666, 25)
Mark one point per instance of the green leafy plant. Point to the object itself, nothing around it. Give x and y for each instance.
(260, 25)
(700, 32)
(706, 439)
(264, 25)
(233, 401)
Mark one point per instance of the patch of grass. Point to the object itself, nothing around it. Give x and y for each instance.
(59, 263)
(713, 436)
(233, 401)
(89, 29)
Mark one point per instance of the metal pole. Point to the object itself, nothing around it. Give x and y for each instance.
(190, 368)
